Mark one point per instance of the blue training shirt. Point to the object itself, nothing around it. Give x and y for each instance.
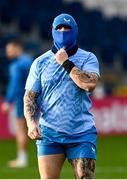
(65, 107)
(18, 72)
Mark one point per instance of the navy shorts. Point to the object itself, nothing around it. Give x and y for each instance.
(81, 146)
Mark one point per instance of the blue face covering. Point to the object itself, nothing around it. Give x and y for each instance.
(64, 39)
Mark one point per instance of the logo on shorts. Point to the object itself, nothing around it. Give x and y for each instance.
(93, 149)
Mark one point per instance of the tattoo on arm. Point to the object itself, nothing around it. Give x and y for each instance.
(84, 80)
(85, 77)
(30, 105)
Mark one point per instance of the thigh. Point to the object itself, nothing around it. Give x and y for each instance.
(50, 165)
(83, 168)
(51, 156)
(82, 158)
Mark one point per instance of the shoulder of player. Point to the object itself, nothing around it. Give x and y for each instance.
(24, 60)
(82, 57)
(84, 53)
(24, 57)
(44, 57)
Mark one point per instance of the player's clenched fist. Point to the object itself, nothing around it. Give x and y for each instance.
(61, 56)
(34, 131)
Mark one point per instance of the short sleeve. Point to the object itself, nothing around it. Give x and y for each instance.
(91, 65)
(33, 80)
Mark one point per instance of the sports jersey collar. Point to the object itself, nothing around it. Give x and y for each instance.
(70, 52)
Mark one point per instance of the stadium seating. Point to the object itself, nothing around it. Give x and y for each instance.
(32, 20)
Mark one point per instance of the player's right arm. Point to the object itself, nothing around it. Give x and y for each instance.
(30, 108)
(33, 90)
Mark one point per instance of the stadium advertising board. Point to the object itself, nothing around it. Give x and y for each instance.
(110, 114)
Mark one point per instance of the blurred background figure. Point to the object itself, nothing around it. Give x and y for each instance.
(18, 71)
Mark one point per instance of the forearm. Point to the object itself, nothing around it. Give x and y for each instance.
(30, 106)
(84, 80)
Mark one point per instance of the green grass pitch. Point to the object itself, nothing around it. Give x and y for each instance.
(111, 160)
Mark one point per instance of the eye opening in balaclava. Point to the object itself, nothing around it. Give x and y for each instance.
(63, 25)
(66, 39)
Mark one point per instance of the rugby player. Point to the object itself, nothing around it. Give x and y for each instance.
(18, 72)
(64, 78)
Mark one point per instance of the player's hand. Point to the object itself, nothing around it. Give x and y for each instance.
(61, 56)
(34, 131)
(5, 107)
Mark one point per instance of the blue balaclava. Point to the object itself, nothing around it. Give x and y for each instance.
(64, 39)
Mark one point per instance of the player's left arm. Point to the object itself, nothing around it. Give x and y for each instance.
(82, 78)
(85, 80)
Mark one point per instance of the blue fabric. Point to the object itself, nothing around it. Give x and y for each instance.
(64, 39)
(64, 106)
(71, 151)
(64, 19)
(81, 146)
(83, 150)
(18, 72)
(19, 108)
